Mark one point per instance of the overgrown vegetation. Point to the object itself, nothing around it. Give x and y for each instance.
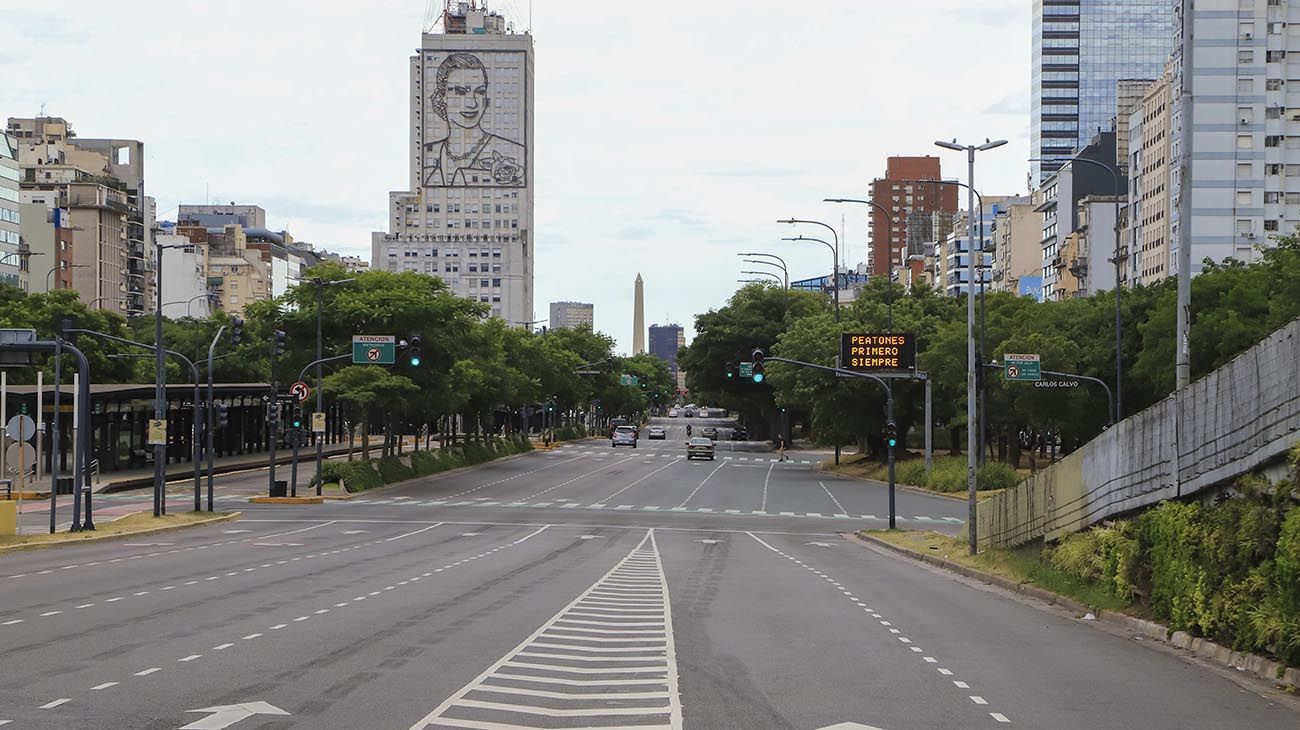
(361, 475)
(1228, 571)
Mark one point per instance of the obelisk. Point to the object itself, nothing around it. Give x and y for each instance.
(638, 317)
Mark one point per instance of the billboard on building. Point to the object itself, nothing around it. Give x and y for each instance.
(473, 119)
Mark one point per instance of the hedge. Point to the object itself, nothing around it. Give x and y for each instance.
(1229, 571)
(948, 474)
(360, 475)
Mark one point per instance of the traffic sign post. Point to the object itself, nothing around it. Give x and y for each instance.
(300, 391)
(374, 349)
(318, 422)
(1022, 368)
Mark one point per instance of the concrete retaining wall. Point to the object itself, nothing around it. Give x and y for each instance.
(1224, 425)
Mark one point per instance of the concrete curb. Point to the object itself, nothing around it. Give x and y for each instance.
(286, 500)
(439, 475)
(133, 533)
(1259, 666)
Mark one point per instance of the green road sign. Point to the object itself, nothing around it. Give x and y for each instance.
(626, 379)
(1023, 368)
(374, 349)
(746, 370)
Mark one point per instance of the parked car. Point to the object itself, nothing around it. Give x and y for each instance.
(657, 432)
(623, 436)
(710, 432)
(699, 447)
(739, 434)
(672, 413)
(690, 412)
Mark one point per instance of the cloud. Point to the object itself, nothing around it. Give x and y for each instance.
(1012, 104)
(758, 172)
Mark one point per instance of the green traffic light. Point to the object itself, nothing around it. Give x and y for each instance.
(758, 377)
(415, 361)
(893, 443)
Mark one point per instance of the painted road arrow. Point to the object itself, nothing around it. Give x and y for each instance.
(223, 716)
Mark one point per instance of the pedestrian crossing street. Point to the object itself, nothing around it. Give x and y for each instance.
(603, 451)
(569, 504)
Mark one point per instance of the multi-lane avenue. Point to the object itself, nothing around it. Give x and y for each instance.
(580, 587)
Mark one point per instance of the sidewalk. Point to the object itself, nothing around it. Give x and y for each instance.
(117, 481)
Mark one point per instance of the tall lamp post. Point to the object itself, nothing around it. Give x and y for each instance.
(766, 273)
(778, 264)
(834, 253)
(971, 365)
(890, 263)
(24, 262)
(1118, 261)
(160, 381)
(320, 402)
(62, 268)
(835, 270)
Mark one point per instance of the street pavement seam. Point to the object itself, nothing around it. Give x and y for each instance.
(602, 665)
(189, 659)
(895, 632)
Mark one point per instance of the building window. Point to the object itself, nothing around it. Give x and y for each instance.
(496, 282)
(483, 283)
(1273, 84)
(1272, 140)
(1275, 56)
(1243, 198)
(1245, 86)
(1245, 141)
(1243, 226)
(1246, 56)
(1270, 225)
(1272, 197)
(1272, 169)
(1243, 169)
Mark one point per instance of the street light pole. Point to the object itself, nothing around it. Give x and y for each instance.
(159, 391)
(764, 273)
(784, 267)
(778, 264)
(1119, 322)
(835, 270)
(320, 402)
(971, 365)
(889, 263)
(834, 253)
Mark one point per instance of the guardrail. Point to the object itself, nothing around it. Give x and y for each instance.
(1229, 423)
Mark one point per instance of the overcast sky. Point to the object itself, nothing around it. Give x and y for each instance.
(669, 135)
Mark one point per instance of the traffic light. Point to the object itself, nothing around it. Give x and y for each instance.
(236, 331)
(891, 434)
(277, 343)
(297, 416)
(223, 415)
(414, 355)
(731, 372)
(757, 357)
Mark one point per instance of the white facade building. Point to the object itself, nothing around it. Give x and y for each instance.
(184, 278)
(12, 267)
(572, 315)
(1240, 136)
(468, 214)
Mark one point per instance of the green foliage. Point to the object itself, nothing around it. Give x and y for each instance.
(391, 469)
(911, 472)
(426, 462)
(995, 475)
(1229, 571)
(357, 476)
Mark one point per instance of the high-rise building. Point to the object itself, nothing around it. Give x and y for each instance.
(572, 315)
(100, 182)
(665, 341)
(1146, 232)
(909, 204)
(1081, 49)
(1059, 198)
(638, 316)
(1235, 179)
(1017, 255)
(13, 262)
(467, 215)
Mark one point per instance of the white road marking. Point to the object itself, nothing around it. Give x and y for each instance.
(960, 684)
(978, 700)
(148, 671)
(766, 479)
(701, 485)
(222, 647)
(55, 703)
(416, 532)
(189, 658)
(555, 662)
(105, 685)
(833, 499)
(999, 717)
(50, 613)
(638, 481)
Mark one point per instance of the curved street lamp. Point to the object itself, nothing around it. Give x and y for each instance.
(836, 278)
(889, 264)
(785, 274)
(835, 250)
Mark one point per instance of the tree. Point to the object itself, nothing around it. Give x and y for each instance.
(363, 387)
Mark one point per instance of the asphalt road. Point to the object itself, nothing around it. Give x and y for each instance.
(584, 587)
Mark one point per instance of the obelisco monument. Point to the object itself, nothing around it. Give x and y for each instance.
(638, 317)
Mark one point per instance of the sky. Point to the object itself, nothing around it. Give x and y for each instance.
(669, 137)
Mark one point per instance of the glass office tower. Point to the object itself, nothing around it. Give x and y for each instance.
(1081, 49)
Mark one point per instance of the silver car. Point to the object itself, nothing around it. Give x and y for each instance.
(623, 436)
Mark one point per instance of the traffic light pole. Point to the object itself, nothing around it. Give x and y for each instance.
(297, 441)
(889, 413)
(212, 422)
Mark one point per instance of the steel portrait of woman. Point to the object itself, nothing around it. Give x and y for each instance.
(469, 154)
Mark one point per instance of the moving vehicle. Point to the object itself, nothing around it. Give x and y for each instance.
(623, 436)
(672, 413)
(657, 432)
(690, 412)
(739, 434)
(699, 447)
(709, 432)
(614, 423)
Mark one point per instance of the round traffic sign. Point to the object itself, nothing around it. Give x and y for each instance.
(300, 390)
(19, 455)
(373, 354)
(1013, 371)
(21, 427)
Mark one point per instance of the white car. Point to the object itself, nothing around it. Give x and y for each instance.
(623, 436)
(672, 413)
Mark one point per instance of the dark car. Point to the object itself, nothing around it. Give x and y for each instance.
(739, 434)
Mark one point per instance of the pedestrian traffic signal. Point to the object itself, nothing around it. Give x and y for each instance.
(891, 434)
(277, 343)
(757, 357)
(236, 331)
(414, 355)
(223, 415)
